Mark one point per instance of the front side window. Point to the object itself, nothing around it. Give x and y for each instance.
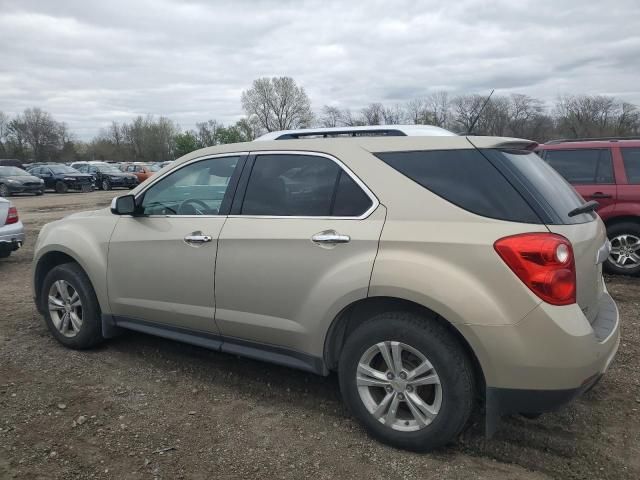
(583, 166)
(302, 185)
(631, 158)
(197, 189)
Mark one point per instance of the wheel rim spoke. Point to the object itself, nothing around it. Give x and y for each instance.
(382, 407)
(75, 321)
(64, 324)
(367, 371)
(390, 417)
(424, 408)
(75, 300)
(386, 354)
(55, 303)
(396, 354)
(421, 369)
(428, 380)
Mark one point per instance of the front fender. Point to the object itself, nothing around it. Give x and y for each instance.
(86, 240)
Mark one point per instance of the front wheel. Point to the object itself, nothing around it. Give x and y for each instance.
(61, 187)
(625, 249)
(4, 191)
(71, 308)
(408, 380)
(106, 184)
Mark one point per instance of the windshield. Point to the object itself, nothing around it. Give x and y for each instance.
(62, 169)
(155, 167)
(107, 169)
(12, 172)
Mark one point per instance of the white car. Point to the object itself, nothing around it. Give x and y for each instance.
(11, 229)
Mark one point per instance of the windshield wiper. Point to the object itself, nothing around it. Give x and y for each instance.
(590, 206)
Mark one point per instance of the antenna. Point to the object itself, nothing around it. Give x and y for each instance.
(475, 120)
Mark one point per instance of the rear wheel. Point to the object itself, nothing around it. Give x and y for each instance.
(408, 380)
(71, 308)
(61, 187)
(4, 190)
(106, 184)
(625, 249)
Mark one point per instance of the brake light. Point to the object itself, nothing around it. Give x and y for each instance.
(12, 216)
(544, 262)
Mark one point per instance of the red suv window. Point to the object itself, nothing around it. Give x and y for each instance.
(631, 157)
(582, 166)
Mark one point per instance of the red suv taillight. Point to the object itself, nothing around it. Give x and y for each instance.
(544, 262)
(12, 216)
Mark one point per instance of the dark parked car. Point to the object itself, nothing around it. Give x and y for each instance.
(62, 178)
(11, 162)
(107, 176)
(15, 180)
(606, 170)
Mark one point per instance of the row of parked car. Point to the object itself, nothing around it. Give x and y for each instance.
(79, 176)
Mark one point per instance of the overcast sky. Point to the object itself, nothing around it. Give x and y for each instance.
(89, 62)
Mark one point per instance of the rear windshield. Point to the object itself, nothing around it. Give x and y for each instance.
(551, 195)
(465, 178)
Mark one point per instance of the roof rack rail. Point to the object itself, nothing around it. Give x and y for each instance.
(590, 139)
(360, 131)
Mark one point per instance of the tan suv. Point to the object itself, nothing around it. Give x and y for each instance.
(435, 274)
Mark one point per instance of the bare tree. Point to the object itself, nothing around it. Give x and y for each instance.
(393, 115)
(331, 116)
(277, 103)
(373, 114)
(4, 131)
(437, 109)
(414, 110)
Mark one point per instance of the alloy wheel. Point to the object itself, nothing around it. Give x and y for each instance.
(625, 251)
(399, 386)
(65, 308)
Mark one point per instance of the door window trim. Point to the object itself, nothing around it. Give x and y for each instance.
(242, 188)
(232, 184)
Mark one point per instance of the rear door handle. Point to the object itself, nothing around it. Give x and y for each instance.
(600, 195)
(330, 237)
(197, 238)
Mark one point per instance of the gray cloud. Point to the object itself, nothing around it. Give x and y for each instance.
(92, 62)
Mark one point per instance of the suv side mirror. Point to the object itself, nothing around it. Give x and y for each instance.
(124, 205)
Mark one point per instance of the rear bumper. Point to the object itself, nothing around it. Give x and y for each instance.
(11, 237)
(549, 358)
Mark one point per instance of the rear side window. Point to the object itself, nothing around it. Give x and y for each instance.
(302, 185)
(465, 178)
(583, 166)
(631, 158)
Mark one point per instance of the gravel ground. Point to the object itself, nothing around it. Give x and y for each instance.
(142, 407)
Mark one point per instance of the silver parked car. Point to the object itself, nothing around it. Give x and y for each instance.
(11, 228)
(429, 272)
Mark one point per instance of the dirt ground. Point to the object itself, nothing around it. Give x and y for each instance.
(141, 407)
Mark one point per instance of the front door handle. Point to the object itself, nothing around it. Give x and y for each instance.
(197, 238)
(600, 195)
(330, 237)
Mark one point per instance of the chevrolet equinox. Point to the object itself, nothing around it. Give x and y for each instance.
(435, 273)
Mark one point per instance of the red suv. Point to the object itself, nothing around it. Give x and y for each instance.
(606, 170)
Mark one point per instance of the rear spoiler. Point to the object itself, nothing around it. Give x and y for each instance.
(517, 145)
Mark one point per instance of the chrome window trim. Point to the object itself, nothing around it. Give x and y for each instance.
(375, 203)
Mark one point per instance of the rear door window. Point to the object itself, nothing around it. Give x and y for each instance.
(465, 178)
(582, 166)
(631, 158)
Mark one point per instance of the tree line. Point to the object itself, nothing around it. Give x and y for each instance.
(279, 104)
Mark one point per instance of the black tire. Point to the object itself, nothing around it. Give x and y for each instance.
(90, 333)
(105, 184)
(5, 253)
(61, 187)
(39, 192)
(4, 191)
(449, 360)
(616, 230)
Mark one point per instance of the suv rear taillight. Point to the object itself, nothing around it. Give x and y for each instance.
(544, 262)
(12, 216)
